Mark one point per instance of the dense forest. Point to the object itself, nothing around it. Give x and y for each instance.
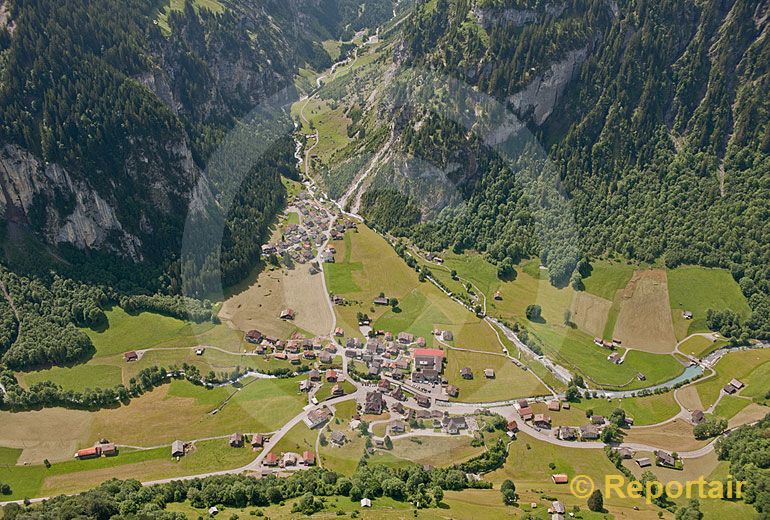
(648, 120)
(747, 449)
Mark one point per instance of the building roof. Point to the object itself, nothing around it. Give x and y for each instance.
(428, 352)
(560, 478)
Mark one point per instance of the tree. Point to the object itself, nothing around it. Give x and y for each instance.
(567, 317)
(438, 494)
(508, 489)
(690, 512)
(393, 303)
(610, 434)
(388, 442)
(710, 427)
(573, 393)
(534, 312)
(618, 417)
(596, 501)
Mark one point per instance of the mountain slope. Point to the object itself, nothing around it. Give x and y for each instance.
(647, 120)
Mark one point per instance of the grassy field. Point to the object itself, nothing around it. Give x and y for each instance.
(176, 411)
(673, 436)
(77, 475)
(125, 332)
(729, 406)
(645, 410)
(78, 377)
(572, 347)
(298, 440)
(697, 289)
(528, 465)
(644, 321)
(9, 456)
(701, 346)
(607, 278)
(750, 366)
(325, 392)
(436, 451)
(509, 382)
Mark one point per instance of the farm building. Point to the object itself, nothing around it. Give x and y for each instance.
(254, 336)
(560, 478)
(554, 405)
(644, 462)
(177, 449)
(287, 314)
(542, 421)
(380, 300)
(257, 440)
(663, 458)
(526, 413)
(697, 417)
(88, 453)
(130, 356)
(452, 391)
(466, 373)
(489, 373)
(236, 440)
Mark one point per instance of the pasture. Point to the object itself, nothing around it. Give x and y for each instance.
(607, 278)
(672, 436)
(697, 289)
(259, 304)
(435, 451)
(589, 312)
(644, 321)
(645, 410)
(179, 410)
(366, 265)
(73, 476)
(750, 366)
(509, 382)
(529, 466)
(570, 346)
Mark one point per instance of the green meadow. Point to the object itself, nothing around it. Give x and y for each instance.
(697, 289)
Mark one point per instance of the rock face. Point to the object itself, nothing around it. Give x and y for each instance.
(540, 96)
(77, 214)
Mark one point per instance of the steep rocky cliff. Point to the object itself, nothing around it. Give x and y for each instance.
(105, 133)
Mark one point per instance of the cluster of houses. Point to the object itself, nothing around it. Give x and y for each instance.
(298, 241)
(315, 376)
(290, 459)
(587, 432)
(294, 350)
(374, 404)
(399, 355)
(103, 448)
(614, 357)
